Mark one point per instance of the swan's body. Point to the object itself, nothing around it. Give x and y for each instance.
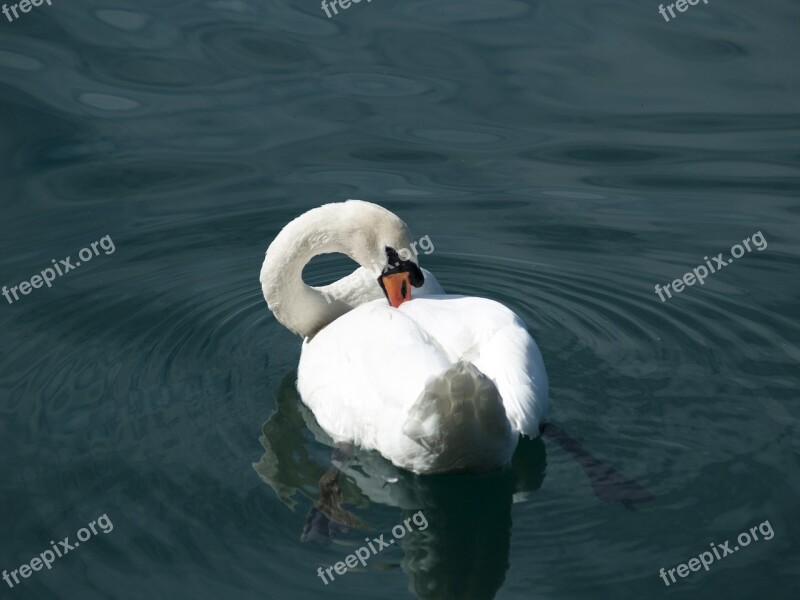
(439, 383)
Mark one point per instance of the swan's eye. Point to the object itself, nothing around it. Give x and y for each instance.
(395, 264)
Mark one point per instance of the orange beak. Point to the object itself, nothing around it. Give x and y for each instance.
(397, 287)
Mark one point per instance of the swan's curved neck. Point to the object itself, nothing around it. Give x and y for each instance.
(348, 228)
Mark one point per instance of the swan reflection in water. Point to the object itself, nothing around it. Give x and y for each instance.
(463, 553)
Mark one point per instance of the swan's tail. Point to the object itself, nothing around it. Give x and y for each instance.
(459, 419)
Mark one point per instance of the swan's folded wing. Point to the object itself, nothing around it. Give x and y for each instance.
(513, 361)
(495, 340)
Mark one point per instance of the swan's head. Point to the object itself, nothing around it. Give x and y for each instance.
(398, 277)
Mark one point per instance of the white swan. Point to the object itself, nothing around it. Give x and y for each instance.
(436, 384)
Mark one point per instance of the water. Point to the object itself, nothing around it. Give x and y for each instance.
(563, 157)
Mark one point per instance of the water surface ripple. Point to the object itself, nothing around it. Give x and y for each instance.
(563, 159)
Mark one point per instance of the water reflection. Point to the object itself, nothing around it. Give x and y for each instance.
(464, 551)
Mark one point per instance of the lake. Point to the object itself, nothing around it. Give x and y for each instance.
(563, 158)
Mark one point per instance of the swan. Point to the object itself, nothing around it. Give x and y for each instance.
(433, 382)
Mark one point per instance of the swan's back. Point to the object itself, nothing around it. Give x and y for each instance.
(442, 383)
(495, 340)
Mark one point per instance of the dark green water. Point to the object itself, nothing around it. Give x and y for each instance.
(564, 157)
